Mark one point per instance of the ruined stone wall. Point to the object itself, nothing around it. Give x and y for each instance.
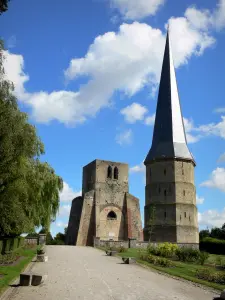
(133, 220)
(74, 221)
(170, 189)
(87, 222)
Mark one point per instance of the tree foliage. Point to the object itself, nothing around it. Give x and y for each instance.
(215, 232)
(3, 6)
(29, 188)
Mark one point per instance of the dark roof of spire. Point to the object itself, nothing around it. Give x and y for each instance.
(169, 139)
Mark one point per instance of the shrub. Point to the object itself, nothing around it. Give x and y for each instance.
(203, 256)
(167, 249)
(1, 246)
(208, 275)
(122, 249)
(163, 262)
(212, 245)
(160, 261)
(187, 254)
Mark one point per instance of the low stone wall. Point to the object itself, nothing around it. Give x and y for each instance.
(132, 243)
(31, 241)
(103, 243)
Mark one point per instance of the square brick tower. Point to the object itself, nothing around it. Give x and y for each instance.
(106, 209)
(170, 196)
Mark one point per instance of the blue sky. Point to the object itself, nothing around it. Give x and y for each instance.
(87, 73)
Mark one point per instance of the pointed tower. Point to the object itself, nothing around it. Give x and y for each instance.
(170, 197)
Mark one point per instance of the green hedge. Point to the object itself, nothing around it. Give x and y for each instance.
(8, 245)
(213, 246)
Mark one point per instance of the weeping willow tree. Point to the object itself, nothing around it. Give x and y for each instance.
(29, 188)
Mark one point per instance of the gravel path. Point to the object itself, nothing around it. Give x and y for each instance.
(87, 273)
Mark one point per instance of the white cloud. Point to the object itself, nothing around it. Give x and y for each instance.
(136, 10)
(125, 137)
(221, 159)
(138, 168)
(217, 180)
(217, 129)
(124, 61)
(189, 127)
(11, 42)
(211, 218)
(134, 112)
(61, 224)
(220, 110)
(150, 120)
(199, 200)
(68, 194)
(64, 210)
(219, 15)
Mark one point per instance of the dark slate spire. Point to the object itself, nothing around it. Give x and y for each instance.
(169, 139)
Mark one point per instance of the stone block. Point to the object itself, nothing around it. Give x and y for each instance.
(25, 279)
(129, 260)
(222, 295)
(38, 279)
(42, 258)
(112, 253)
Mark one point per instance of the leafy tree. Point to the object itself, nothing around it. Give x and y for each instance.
(151, 222)
(204, 233)
(29, 189)
(3, 6)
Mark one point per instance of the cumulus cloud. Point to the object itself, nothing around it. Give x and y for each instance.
(150, 120)
(138, 168)
(125, 61)
(134, 112)
(217, 180)
(64, 210)
(199, 200)
(217, 129)
(136, 10)
(68, 194)
(211, 218)
(125, 137)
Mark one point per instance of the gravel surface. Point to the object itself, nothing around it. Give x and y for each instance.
(87, 273)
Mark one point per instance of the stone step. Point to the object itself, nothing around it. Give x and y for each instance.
(129, 260)
(27, 279)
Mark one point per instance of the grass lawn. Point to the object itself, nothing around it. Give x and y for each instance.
(182, 270)
(10, 273)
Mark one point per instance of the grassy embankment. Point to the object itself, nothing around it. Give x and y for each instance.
(181, 269)
(9, 273)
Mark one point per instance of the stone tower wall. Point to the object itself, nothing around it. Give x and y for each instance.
(87, 221)
(170, 189)
(74, 221)
(103, 196)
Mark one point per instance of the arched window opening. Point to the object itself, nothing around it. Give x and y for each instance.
(164, 192)
(165, 214)
(185, 215)
(184, 192)
(165, 172)
(109, 173)
(182, 171)
(111, 215)
(116, 173)
(180, 217)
